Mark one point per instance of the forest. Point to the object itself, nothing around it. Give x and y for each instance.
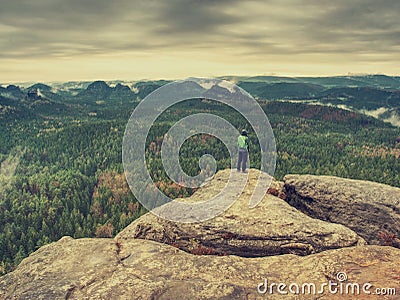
(62, 173)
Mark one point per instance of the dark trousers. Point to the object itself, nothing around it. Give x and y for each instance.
(243, 155)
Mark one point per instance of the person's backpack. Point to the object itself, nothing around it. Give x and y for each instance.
(242, 142)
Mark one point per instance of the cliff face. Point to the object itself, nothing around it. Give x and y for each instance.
(370, 209)
(139, 263)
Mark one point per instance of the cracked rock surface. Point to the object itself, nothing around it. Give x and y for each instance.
(368, 208)
(93, 269)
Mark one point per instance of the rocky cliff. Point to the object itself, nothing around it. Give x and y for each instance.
(370, 209)
(272, 227)
(248, 251)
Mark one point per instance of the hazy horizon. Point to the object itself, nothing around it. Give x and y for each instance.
(26, 83)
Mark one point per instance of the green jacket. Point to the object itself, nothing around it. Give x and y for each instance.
(243, 142)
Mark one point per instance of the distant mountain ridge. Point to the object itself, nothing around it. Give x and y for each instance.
(376, 95)
(380, 81)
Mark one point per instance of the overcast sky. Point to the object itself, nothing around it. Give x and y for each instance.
(59, 40)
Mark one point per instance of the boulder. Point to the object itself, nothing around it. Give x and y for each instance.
(273, 227)
(370, 209)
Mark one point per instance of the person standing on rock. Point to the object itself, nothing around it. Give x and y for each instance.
(243, 145)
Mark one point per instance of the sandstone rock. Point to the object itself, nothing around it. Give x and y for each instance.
(370, 209)
(130, 268)
(273, 227)
(141, 269)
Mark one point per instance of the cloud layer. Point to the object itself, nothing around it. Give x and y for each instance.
(361, 30)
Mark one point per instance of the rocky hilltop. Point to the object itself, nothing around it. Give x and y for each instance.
(272, 227)
(303, 231)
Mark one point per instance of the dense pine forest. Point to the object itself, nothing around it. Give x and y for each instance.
(61, 167)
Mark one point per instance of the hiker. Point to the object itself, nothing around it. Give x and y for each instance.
(243, 145)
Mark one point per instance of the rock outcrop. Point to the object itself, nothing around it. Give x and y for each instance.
(272, 227)
(371, 209)
(139, 263)
(141, 269)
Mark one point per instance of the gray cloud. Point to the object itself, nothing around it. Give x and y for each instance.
(57, 27)
(277, 27)
(194, 16)
(360, 25)
(58, 14)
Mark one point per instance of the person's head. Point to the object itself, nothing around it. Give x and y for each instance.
(244, 132)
